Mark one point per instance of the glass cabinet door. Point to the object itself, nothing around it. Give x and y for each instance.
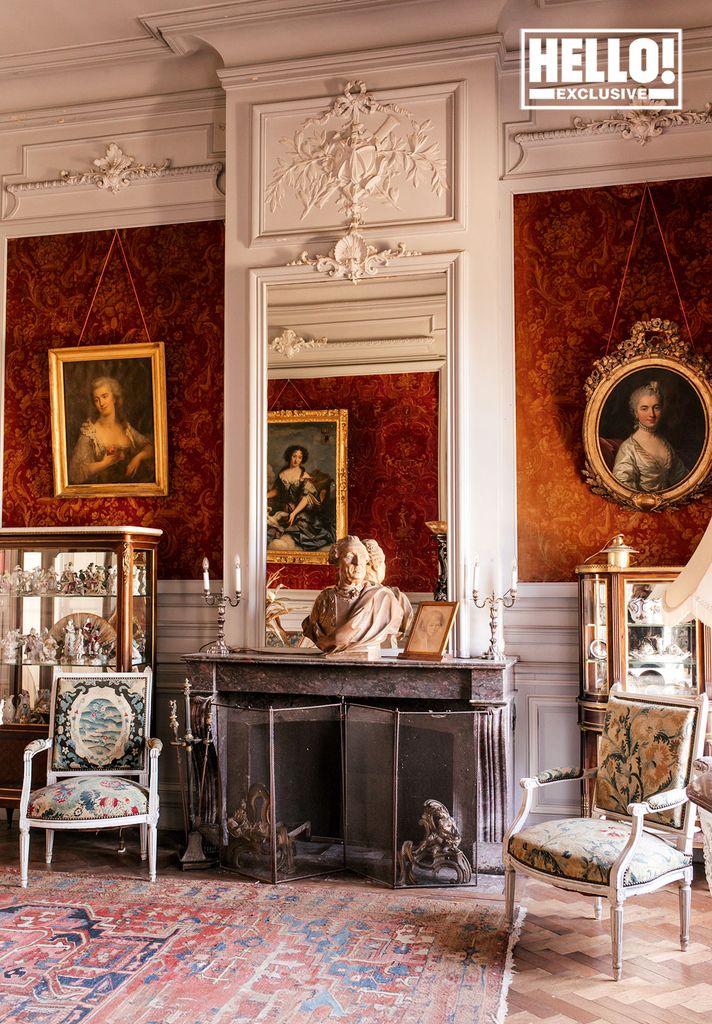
(658, 658)
(594, 614)
(56, 608)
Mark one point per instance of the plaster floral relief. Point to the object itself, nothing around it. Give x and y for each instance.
(570, 251)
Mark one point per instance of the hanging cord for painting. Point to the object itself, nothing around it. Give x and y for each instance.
(115, 238)
(289, 383)
(648, 193)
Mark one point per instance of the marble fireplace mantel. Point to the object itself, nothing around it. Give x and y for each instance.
(472, 681)
(451, 685)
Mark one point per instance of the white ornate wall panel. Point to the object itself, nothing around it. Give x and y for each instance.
(437, 108)
(170, 168)
(542, 631)
(553, 743)
(545, 149)
(90, 166)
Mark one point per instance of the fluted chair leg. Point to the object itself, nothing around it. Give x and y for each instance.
(510, 879)
(143, 830)
(152, 850)
(49, 845)
(685, 896)
(24, 856)
(617, 939)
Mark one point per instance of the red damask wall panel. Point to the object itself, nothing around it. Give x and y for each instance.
(178, 274)
(570, 253)
(392, 466)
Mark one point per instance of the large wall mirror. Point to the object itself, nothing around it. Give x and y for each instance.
(358, 424)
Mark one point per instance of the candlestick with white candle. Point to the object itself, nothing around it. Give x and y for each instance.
(206, 576)
(514, 576)
(238, 575)
(476, 574)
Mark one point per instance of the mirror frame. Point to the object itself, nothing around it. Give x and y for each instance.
(261, 280)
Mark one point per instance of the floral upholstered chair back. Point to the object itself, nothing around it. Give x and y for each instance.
(98, 723)
(646, 747)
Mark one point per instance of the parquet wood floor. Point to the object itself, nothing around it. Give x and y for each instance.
(562, 960)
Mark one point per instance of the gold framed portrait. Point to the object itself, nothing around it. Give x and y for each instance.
(646, 427)
(109, 424)
(430, 631)
(307, 485)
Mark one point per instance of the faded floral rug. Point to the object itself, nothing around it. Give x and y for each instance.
(117, 951)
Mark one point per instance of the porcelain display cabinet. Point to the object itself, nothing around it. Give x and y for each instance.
(623, 639)
(81, 598)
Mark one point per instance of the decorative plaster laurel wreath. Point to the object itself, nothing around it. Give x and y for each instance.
(654, 352)
(371, 145)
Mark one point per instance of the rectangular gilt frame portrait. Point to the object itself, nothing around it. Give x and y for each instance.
(430, 631)
(322, 433)
(138, 400)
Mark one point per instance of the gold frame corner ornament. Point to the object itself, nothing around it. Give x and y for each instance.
(104, 355)
(339, 418)
(653, 349)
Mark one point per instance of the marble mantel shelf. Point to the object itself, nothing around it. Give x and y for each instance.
(476, 681)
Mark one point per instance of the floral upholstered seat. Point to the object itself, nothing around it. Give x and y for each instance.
(88, 798)
(639, 836)
(585, 849)
(102, 768)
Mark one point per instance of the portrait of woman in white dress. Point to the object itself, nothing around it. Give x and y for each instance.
(109, 419)
(652, 430)
(646, 461)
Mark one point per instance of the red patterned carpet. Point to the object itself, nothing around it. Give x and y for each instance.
(117, 951)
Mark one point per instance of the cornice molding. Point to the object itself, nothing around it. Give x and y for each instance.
(178, 29)
(360, 62)
(62, 58)
(212, 99)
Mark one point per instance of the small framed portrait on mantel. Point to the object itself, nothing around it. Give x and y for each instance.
(647, 424)
(430, 632)
(306, 483)
(108, 407)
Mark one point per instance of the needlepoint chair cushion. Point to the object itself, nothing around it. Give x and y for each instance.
(585, 849)
(644, 750)
(88, 798)
(99, 727)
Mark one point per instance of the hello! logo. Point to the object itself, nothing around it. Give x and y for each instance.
(604, 69)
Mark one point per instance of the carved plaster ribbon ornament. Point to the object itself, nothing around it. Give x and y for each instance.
(638, 125)
(115, 171)
(289, 343)
(358, 160)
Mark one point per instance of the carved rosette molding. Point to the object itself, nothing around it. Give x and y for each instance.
(290, 344)
(113, 172)
(638, 125)
(362, 157)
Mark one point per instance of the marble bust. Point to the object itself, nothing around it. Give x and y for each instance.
(354, 617)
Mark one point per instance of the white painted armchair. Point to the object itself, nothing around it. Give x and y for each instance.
(639, 835)
(102, 769)
(700, 792)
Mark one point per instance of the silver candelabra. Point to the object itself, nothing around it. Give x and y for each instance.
(220, 601)
(494, 652)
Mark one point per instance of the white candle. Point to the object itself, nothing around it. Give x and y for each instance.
(476, 574)
(514, 575)
(238, 575)
(206, 577)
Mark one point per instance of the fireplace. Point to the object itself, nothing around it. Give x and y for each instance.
(394, 771)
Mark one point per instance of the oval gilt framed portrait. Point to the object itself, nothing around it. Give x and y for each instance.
(647, 424)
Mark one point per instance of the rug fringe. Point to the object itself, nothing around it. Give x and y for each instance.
(509, 966)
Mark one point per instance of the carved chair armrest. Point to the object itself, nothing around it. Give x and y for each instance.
(36, 747)
(702, 764)
(550, 775)
(659, 802)
(155, 746)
